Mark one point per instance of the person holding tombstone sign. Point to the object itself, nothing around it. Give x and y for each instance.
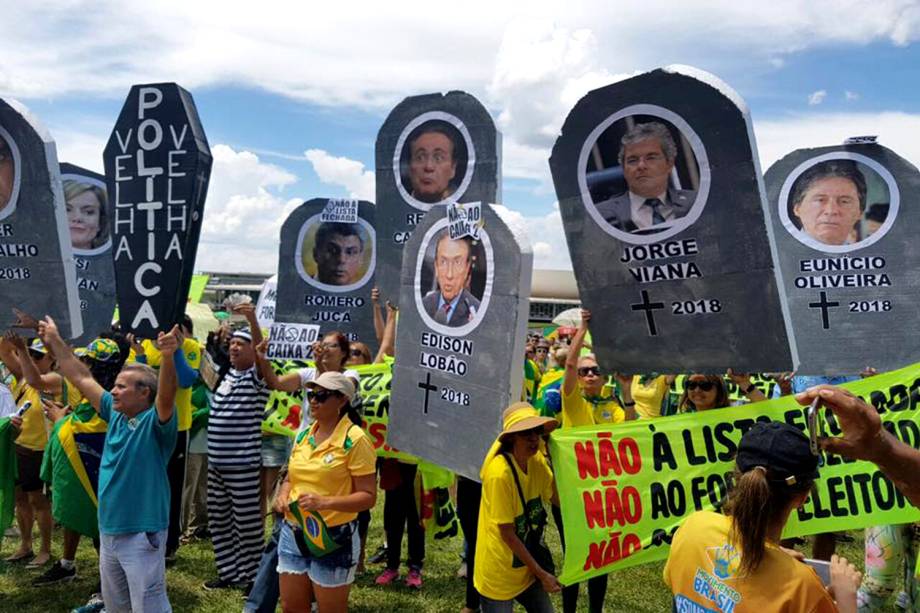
(647, 155)
(432, 165)
(516, 481)
(338, 252)
(828, 200)
(452, 304)
(86, 214)
(133, 485)
(774, 474)
(7, 174)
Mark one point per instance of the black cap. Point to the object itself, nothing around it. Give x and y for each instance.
(781, 449)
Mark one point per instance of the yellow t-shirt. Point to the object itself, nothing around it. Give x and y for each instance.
(498, 574)
(327, 469)
(702, 569)
(649, 397)
(34, 432)
(192, 350)
(579, 411)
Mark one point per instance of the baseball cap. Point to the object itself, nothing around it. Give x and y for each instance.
(101, 349)
(336, 382)
(243, 333)
(38, 346)
(781, 449)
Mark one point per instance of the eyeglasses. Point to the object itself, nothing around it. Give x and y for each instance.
(330, 345)
(705, 386)
(321, 396)
(542, 350)
(584, 371)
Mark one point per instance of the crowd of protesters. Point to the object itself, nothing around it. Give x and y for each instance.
(172, 446)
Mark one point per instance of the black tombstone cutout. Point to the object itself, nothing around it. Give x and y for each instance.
(88, 213)
(670, 245)
(36, 261)
(457, 369)
(407, 188)
(157, 165)
(326, 264)
(845, 222)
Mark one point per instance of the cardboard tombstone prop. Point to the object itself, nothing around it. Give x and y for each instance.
(845, 222)
(88, 213)
(668, 230)
(433, 148)
(326, 267)
(37, 272)
(463, 308)
(157, 165)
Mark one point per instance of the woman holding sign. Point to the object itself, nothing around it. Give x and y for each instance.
(330, 480)
(734, 561)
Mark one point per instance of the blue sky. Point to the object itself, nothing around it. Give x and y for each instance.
(275, 84)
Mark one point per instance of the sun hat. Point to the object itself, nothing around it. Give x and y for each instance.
(521, 416)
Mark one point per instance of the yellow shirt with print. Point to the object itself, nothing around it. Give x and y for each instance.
(34, 432)
(497, 574)
(702, 572)
(649, 397)
(192, 350)
(580, 411)
(327, 469)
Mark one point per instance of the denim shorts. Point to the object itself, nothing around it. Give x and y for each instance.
(276, 448)
(332, 570)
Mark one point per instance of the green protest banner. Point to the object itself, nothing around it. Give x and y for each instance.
(625, 489)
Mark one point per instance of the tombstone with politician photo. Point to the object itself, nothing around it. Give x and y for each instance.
(37, 275)
(88, 213)
(432, 149)
(667, 226)
(463, 309)
(845, 219)
(326, 267)
(157, 167)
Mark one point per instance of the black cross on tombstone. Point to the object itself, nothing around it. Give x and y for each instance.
(824, 305)
(648, 307)
(428, 387)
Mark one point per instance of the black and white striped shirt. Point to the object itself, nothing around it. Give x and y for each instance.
(235, 423)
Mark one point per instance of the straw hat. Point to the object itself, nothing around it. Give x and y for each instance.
(521, 416)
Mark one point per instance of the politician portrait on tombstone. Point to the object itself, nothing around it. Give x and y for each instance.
(335, 256)
(87, 217)
(452, 278)
(837, 202)
(7, 175)
(642, 175)
(433, 161)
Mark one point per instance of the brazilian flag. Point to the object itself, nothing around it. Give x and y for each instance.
(548, 401)
(315, 531)
(71, 466)
(8, 471)
(531, 380)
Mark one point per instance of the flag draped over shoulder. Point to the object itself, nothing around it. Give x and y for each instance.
(71, 466)
(8, 471)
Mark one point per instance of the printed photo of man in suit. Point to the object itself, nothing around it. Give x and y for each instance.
(647, 155)
(452, 304)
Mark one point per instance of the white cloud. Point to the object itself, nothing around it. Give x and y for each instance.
(243, 213)
(816, 98)
(850, 96)
(344, 172)
(544, 234)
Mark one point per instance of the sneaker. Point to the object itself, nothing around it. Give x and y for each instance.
(220, 584)
(414, 578)
(903, 601)
(379, 556)
(93, 605)
(387, 577)
(55, 574)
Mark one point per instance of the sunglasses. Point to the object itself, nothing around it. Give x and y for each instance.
(321, 396)
(705, 386)
(584, 371)
(542, 349)
(356, 353)
(330, 345)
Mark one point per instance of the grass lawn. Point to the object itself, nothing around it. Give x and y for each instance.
(639, 589)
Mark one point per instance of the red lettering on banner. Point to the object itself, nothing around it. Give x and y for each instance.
(624, 457)
(378, 432)
(587, 463)
(616, 507)
(607, 552)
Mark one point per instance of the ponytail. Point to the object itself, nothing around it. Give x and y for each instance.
(756, 503)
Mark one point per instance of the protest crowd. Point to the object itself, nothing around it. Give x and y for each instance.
(271, 443)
